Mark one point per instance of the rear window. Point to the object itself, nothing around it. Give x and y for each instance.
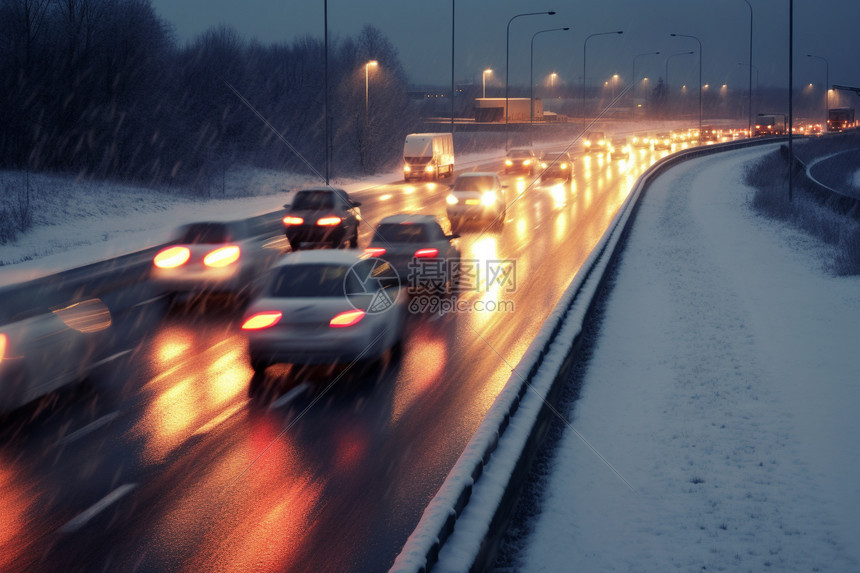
(321, 280)
(396, 233)
(313, 201)
(477, 183)
(202, 233)
(302, 281)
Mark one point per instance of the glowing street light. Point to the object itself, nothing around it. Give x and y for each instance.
(484, 81)
(367, 66)
(633, 76)
(531, 70)
(826, 84)
(584, 46)
(700, 72)
(508, 58)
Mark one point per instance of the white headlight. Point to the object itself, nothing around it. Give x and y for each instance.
(451, 200)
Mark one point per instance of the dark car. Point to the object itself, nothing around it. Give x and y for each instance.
(557, 166)
(520, 160)
(424, 255)
(595, 141)
(322, 217)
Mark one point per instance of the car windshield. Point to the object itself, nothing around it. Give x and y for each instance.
(402, 233)
(204, 233)
(313, 201)
(475, 183)
(519, 154)
(309, 281)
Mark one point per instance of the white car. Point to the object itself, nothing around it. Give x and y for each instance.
(478, 196)
(215, 257)
(325, 307)
(43, 351)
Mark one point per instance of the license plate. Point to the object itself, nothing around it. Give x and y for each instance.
(472, 201)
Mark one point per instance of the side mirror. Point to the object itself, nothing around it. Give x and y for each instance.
(452, 236)
(356, 204)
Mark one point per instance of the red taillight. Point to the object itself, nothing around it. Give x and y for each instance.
(290, 220)
(2, 346)
(172, 257)
(374, 251)
(426, 253)
(222, 257)
(347, 318)
(328, 221)
(262, 320)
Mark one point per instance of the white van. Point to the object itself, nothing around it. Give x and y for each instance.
(428, 155)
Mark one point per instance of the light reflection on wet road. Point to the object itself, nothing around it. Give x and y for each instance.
(320, 481)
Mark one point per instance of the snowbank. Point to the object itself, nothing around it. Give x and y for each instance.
(723, 388)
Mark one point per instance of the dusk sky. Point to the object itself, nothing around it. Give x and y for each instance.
(421, 31)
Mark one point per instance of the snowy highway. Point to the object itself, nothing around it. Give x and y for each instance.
(165, 461)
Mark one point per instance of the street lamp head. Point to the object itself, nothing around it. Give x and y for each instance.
(565, 29)
(620, 32)
(372, 63)
(488, 71)
(551, 13)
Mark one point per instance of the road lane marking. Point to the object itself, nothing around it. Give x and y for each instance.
(220, 418)
(149, 301)
(110, 358)
(105, 502)
(89, 428)
(289, 396)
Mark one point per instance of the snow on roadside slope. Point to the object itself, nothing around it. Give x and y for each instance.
(723, 388)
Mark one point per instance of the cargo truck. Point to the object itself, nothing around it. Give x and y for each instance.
(770, 124)
(840, 118)
(428, 156)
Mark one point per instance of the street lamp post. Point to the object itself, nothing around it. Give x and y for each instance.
(508, 59)
(826, 85)
(749, 127)
(484, 82)
(367, 66)
(531, 71)
(700, 74)
(752, 69)
(584, 46)
(690, 53)
(633, 75)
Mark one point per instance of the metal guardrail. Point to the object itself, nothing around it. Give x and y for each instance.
(506, 441)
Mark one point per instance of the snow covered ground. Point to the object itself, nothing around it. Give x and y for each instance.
(724, 388)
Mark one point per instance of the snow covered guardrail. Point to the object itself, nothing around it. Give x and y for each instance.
(461, 526)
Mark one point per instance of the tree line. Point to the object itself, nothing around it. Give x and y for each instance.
(102, 88)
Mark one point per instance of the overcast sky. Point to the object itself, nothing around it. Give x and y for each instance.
(421, 32)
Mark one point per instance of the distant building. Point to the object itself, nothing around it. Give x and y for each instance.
(492, 109)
